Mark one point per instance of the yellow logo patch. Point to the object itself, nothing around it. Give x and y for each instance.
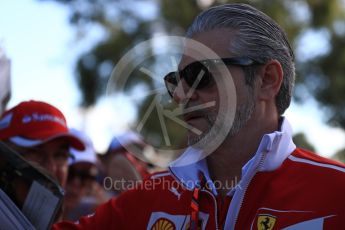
(266, 222)
(163, 224)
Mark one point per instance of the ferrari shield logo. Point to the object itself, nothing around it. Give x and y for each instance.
(266, 222)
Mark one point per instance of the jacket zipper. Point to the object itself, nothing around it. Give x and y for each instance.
(262, 159)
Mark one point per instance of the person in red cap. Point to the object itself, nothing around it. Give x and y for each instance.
(39, 132)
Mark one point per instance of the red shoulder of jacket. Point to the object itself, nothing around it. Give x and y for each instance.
(311, 167)
(308, 157)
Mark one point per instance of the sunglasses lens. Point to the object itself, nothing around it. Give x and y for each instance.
(82, 175)
(197, 75)
(170, 81)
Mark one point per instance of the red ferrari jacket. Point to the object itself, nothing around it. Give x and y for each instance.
(282, 187)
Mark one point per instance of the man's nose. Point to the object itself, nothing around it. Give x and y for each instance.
(183, 92)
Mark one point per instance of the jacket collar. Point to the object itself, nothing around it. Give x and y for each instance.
(277, 146)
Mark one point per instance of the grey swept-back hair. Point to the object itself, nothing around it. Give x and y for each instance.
(257, 36)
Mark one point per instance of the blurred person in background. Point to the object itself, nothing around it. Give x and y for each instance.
(5, 80)
(39, 132)
(83, 190)
(124, 162)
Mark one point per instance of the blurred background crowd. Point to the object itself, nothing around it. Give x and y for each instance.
(39, 132)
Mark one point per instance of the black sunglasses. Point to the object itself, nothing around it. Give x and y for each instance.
(81, 174)
(198, 74)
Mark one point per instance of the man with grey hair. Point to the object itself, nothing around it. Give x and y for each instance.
(257, 177)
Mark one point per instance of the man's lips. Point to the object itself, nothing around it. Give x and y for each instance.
(197, 111)
(191, 116)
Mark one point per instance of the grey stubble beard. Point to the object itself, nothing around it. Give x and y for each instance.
(242, 115)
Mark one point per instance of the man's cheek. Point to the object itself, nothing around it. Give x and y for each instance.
(61, 175)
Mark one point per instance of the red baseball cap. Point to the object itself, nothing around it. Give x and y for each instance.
(32, 123)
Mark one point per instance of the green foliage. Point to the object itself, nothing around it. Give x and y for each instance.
(322, 75)
(301, 141)
(94, 68)
(340, 156)
(179, 14)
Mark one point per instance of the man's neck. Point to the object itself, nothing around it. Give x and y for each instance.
(225, 164)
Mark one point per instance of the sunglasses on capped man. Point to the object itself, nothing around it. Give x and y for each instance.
(198, 75)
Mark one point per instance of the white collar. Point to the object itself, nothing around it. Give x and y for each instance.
(278, 145)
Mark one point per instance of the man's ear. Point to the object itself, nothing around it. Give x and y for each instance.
(271, 80)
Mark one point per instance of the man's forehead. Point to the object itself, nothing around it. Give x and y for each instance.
(192, 54)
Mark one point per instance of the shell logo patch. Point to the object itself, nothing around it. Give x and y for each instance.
(163, 220)
(266, 222)
(163, 224)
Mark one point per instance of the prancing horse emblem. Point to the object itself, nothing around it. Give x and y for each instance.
(266, 222)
